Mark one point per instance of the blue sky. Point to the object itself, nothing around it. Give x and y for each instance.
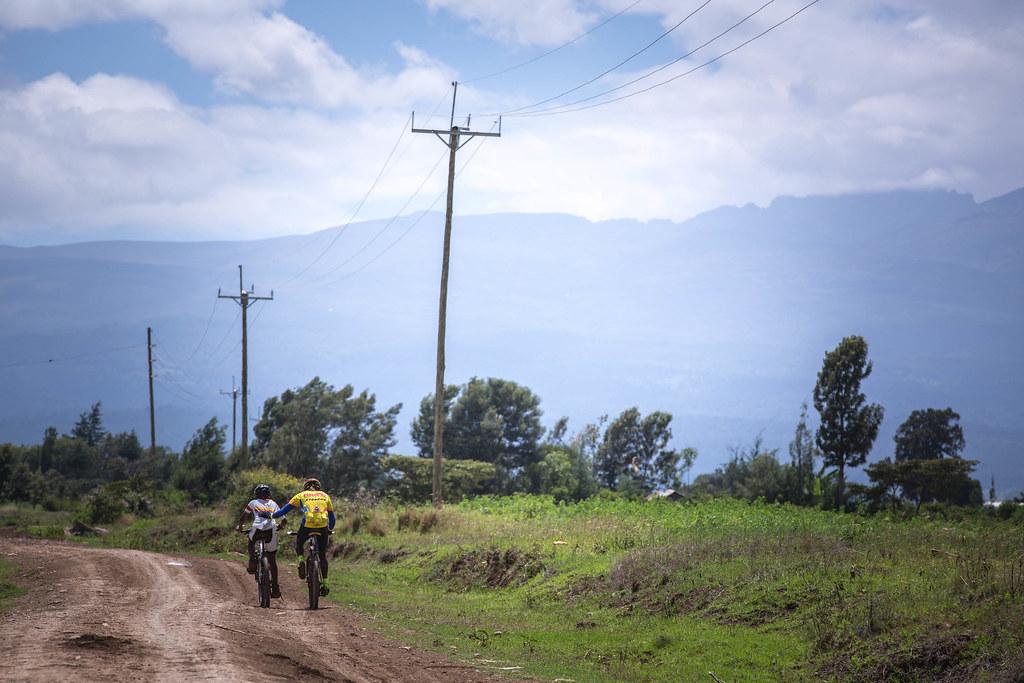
(211, 119)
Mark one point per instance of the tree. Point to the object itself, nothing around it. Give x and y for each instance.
(635, 450)
(922, 481)
(930, 434)
(491, 420)
(293, 431)
(848, 425)
(362, 436)
(802, 454)
(200, 472)
(336, 435)
(89, 427)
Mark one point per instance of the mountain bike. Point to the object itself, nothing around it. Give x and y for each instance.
(314, 575)
(260, 539)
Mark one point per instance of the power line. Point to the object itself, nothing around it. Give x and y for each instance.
(366, 195)
(677, 76)
(556, 49)
(355, 212)
(652, 71)
(227, 333)
(205, 331)
(608, 71)
(387, 225)
(412, 225)
(61, 359)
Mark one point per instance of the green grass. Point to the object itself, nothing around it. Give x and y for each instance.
(616, 590)
(8, 588)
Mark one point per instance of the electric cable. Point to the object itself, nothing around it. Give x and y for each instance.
(61, 359)
(415, 222)
(652, 71)
(556, 49)
(607, 71)
(391, 221)
(677, 76)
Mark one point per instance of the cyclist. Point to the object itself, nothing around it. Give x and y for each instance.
(261, 507)
(317, 515)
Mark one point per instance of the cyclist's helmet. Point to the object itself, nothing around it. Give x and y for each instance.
(261, 491)
(311, 484)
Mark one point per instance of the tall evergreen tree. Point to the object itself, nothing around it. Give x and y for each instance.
(89, 427)
(849, 425)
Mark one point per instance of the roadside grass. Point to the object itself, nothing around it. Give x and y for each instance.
(8, 588)
(618, 590)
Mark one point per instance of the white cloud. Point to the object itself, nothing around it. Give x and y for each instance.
(249, 48)
(846, 98)
(118, 153)
(839, 100)
(527, 22)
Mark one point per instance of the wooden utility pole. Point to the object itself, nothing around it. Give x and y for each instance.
(152, 411)
(234, 411)
(245, 299)
(455, 134)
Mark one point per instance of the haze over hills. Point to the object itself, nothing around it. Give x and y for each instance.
(722, 319)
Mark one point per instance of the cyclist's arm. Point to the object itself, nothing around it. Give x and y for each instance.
(283, 511)
(330, 520)
(241, 518)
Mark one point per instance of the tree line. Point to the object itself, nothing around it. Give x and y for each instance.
(495, 443)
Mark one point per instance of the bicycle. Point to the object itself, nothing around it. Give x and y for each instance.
(263, 574)
(315, 585)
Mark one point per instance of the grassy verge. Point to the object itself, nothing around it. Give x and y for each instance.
(8, 589)
(614, 590)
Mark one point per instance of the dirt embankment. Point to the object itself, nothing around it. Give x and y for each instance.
(122, 615)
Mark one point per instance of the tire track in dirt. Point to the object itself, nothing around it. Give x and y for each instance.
(126, 615)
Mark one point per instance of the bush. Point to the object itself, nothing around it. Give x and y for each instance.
(282, 486)
(409, 479)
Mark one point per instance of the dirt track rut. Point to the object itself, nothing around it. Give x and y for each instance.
(126, 615)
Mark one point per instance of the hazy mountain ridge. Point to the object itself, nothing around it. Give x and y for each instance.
(722, 319)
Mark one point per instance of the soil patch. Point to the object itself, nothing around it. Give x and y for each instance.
(493, 568)
(98, 641)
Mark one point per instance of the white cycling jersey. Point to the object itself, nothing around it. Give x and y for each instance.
(259, 523)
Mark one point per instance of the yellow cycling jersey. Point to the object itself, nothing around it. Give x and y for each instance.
(314, 505)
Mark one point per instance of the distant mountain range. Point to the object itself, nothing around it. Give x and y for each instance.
(722, 319)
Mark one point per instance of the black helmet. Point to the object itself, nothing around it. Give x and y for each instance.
(262, 491)
(311, 483)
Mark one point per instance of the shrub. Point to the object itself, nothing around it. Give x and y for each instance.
(410, 479)
(282, 486)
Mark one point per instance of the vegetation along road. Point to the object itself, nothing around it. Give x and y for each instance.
(113, 614)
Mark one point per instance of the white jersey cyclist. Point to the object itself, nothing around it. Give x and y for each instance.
(261, 509)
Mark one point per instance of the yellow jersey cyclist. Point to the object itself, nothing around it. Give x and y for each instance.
(317, 515)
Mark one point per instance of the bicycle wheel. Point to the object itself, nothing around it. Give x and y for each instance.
(264, 581)
(313, 576)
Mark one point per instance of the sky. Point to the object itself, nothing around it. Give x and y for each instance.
(246, 119)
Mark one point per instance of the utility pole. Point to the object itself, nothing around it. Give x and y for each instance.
(245, 299)
(152, 412)
(234, 410)
(455, 134)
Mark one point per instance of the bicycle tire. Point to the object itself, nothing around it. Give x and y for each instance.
(264, 581)
(313, 575)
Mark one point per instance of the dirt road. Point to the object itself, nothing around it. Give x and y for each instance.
(125, 615)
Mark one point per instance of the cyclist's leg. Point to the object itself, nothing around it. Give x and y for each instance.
(275, 590)
(300, 541)
(252, 555)
(324, 542)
